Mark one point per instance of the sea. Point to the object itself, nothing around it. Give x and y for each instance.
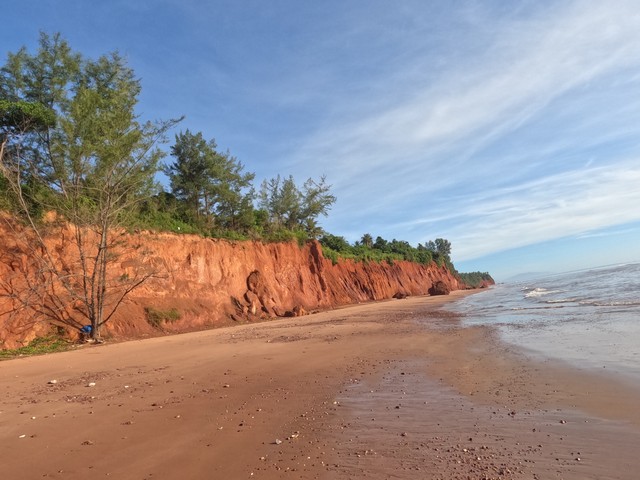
(588, 318)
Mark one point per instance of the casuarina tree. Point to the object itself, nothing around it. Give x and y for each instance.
(91, 166)
(215, 190)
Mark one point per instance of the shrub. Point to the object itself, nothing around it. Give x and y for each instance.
(38, 346)
(474, 279)
(163, 222)
(336, 243)
(157, 317)
(330, 254)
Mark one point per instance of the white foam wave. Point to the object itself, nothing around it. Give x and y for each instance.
(539, 292)
(565, 300)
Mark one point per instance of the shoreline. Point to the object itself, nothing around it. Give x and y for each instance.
(263, 400)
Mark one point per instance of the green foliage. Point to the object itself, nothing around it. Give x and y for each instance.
(366, 250)
(45, 77)
(24, 116)
(367, 240)
(5, 203)
(423, 255)
(302, 237)
(162, 213)
(440, 247)
(339, 247)
(97, 160)
(380, 244)
(231, 235)
(43, 81)
(335, 243)
(331, 255)
(286, 235)
(18, 119)
(162, 222)
(157, 317)
(282, 200)
(292, 208)
(38, 346)
(316, 199)
(212, 185)
(475, 279)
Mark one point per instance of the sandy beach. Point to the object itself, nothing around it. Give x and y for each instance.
(394, 389)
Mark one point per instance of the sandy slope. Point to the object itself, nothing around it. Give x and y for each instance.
(387, 390)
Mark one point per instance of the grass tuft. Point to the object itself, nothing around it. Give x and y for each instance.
(157, 317)
(38, 346)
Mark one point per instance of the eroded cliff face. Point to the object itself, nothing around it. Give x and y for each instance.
(212, 282)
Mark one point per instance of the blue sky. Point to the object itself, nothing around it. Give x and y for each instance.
(510, 128)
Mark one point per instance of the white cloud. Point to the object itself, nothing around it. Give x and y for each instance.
(513, 127)
(566, 204)
(521, 74)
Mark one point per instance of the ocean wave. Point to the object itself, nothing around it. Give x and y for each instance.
(540, 292)
(578, 316)
(595, 303)
(565, 300)
(541, 307)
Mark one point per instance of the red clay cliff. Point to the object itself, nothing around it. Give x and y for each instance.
(216, 282)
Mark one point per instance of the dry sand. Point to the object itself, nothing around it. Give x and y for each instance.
(388, 390)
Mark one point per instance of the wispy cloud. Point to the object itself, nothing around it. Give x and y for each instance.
(561, 205)
(609, 233)
(513, 127)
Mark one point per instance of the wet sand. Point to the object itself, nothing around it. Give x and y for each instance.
(388, 390)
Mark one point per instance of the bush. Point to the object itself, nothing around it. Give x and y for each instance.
(38, 346)
(475, 279)
(157, 317)
(330, 254)
(286, 235)
(163, 222)
(232, 235)
(336, 243)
